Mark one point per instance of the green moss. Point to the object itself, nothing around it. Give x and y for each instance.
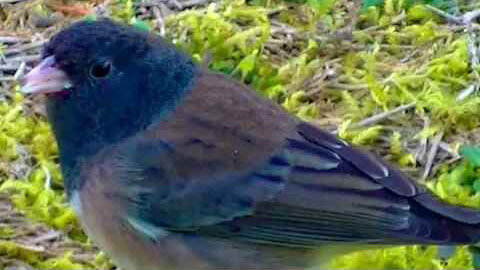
(234, 35)
(409, 257)
(6, 231)
(11, 250)
(362, 136)
(32, 194)
(399, 155)
(123, 10)
(39, 195)
(40, 259)
(64, 262)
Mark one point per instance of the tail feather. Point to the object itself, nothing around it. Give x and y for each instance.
(449, 224)
(361, 184)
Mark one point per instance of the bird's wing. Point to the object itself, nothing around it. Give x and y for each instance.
(336, 193)
(290, 185)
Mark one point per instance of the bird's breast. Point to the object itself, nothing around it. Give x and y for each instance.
(106, 223)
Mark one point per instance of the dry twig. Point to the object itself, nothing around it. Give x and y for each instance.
(382, 116)
(432, 153)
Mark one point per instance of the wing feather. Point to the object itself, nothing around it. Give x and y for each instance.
(315, 189)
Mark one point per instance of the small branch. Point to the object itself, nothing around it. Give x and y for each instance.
(24, 58)
(8, 67)
(466, 92)
(159, 20)
(448, 17)
(379, 117)
(445, 147)
(336, 85)
(409, 56)
(12, 1)
(395, 20)
(421, 150)
(275, 11)
(193, 3)
(346, 86)
(7, 79)
(48, 177)
(23, 48)
(175, 4)
(474, 62)
(12, 40)
(382, 116)
(51, 235)
(382, 46)
(282, 28)
(471, 16)
(20, 71)
(435, 143)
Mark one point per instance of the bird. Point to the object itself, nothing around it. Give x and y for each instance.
(169, 165)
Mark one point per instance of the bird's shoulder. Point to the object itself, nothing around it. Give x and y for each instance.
(222, 121)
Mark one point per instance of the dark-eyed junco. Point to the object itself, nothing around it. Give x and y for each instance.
(171, 166)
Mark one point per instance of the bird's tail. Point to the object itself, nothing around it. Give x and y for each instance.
(361, 198)
(447, 223)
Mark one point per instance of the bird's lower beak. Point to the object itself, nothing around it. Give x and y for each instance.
(45, 78)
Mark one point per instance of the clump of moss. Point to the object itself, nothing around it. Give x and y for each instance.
(408, 257)
(30, 174)
(234, 35)
(39, 194)
(42, 260)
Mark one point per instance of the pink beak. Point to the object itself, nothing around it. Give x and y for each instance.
(45, 78)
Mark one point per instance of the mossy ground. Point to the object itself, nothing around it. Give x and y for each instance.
(334, 63)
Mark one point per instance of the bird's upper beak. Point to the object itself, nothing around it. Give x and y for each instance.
(45, 78)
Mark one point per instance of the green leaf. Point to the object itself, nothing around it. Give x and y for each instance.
(450, 6)
(321, 6)
(472, 154)
(247, 64)
(476, 185)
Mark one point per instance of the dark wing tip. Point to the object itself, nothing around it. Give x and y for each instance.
(367, 163)
(455, 212)
(388, 176)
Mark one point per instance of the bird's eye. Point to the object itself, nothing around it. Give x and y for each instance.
(101, 69)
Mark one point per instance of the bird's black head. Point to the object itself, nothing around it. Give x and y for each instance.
(106, 81)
